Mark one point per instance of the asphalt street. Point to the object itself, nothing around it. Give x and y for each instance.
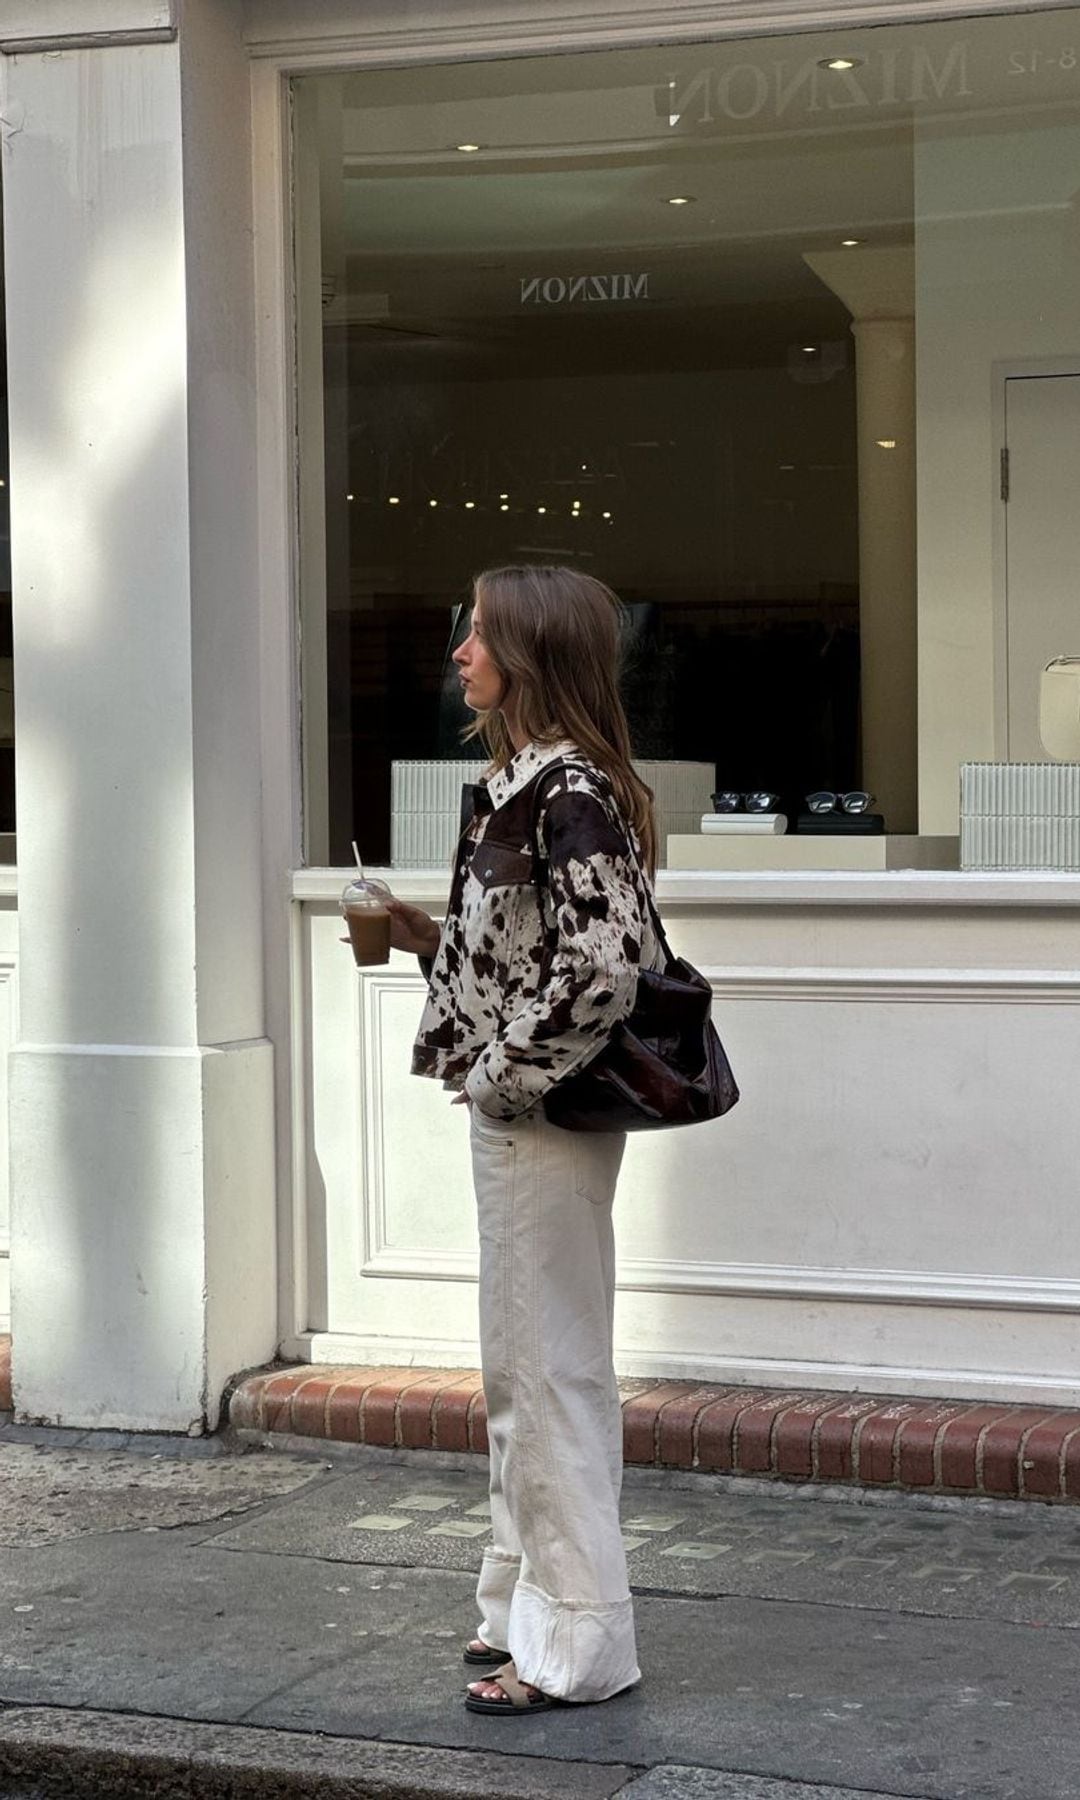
(280, 1611)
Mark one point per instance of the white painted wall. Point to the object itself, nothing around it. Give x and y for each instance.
(141, 1110)
(882, 1210)
(142, 1135)
(9, 1014)
(890, 1207)
(325, 30)
(998, 280)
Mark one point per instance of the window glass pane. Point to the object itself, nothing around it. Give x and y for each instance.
(680, 317)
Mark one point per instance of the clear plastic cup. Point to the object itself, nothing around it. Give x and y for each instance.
(363, 906)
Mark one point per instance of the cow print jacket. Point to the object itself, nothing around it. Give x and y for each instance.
(546, 930)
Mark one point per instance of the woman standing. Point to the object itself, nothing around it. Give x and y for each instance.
(546, 931)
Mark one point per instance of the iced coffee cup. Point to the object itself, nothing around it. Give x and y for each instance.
(363, 906)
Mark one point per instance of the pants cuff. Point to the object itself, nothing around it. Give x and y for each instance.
(573, 1649)
(494, 1594)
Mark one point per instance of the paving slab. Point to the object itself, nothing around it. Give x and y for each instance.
(170, 1625)
(1020, 1563)
(819, 1657)
(677, 1782)
(48, 1493)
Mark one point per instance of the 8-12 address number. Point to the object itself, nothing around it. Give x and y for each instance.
(1029, 62)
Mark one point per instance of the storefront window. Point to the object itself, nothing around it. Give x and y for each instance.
(731, 326)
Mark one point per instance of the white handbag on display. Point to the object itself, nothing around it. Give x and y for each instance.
(1059, 708)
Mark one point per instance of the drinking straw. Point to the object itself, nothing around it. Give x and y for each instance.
(359, 864)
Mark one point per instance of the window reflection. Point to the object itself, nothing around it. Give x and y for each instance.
(679, 316)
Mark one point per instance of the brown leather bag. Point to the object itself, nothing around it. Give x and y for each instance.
(663, 1065)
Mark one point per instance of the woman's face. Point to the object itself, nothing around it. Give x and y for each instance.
(481, 683)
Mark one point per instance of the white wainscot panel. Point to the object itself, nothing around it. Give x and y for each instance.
(890, 1206)
(386, 1164)
(418, 1186)
(898, 1131)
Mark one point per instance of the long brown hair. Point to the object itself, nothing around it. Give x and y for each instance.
(553, 635)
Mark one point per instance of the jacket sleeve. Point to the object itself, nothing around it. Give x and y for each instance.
(591, 979)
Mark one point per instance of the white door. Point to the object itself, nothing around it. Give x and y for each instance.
(1042, 557)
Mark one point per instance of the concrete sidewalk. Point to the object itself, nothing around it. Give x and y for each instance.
(179, 1619)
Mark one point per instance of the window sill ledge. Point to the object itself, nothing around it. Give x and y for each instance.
(701, 888)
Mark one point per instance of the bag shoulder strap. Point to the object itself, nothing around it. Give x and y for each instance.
(650, 902)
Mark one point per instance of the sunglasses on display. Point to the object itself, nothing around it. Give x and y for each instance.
(848, 803)
(751, 803)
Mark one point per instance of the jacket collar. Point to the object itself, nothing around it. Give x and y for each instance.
(522, 767)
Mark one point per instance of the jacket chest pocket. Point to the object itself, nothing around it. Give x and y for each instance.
(499, 866)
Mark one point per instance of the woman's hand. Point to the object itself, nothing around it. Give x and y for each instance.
(412, 929)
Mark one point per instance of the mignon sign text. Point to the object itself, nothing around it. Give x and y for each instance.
(565, 290)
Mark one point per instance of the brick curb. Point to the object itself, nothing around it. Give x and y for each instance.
(1014, 1451)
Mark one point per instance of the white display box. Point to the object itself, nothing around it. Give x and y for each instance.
(794, 852)
(425, 805)
(1020, 816)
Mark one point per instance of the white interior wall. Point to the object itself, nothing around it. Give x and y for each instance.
(997, 279)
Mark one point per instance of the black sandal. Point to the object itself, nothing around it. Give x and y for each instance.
(518, 1700)
(485, 1658)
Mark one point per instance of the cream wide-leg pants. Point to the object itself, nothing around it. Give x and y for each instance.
(553, 1589)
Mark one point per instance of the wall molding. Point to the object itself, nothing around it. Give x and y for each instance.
(960, 1383)
(676, 888)
(773, 981)
(775, 1281)
(379, 1259)
(325, 33)
(33, 26)
(374, 1231)
(1025, 987)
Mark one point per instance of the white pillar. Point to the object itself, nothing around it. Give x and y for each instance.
(888, 624)
(141, 1084)
(877, 287)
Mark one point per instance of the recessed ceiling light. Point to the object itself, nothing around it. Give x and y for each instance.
(841, 63)
(348, 496)
(607, 515)
(469, 504)
(504, 496)
(681, 200)
(885, 443)
(810, 349)
(850, 243)
(394, 500)
(467, 148)
(541, 509)
(504, 507)
(433, 503)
